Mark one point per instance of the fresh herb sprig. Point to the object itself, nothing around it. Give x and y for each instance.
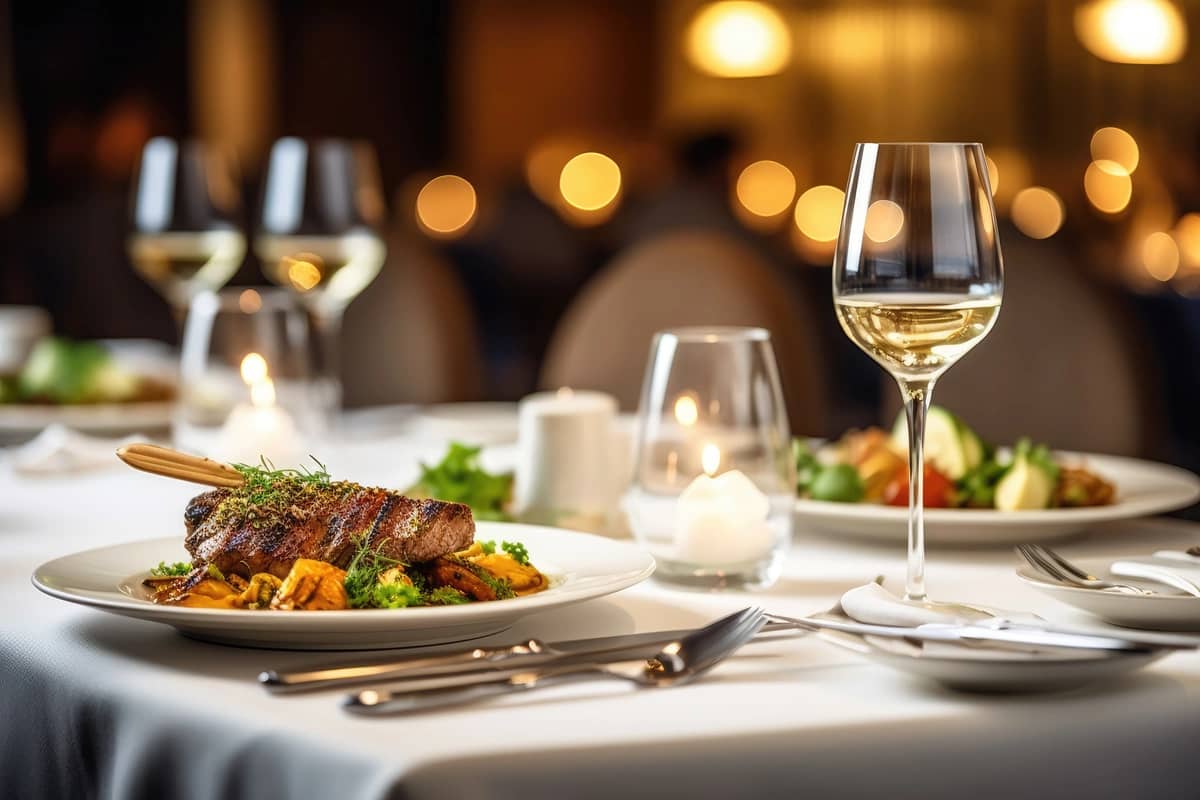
(267, 493)
(515, 550)
(176, 570)
(362, 577)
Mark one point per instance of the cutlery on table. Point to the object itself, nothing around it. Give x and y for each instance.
(520, 656)
(1190, 556)
(678, 662)
(1059, 569)
(1022, 636)
(1156, 574)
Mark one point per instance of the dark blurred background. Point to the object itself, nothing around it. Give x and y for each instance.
(1098, 342)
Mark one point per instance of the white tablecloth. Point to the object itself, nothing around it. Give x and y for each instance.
(99, 705)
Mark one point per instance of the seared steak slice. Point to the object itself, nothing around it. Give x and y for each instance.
(321, 522)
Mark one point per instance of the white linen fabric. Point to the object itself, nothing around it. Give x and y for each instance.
(94, 705)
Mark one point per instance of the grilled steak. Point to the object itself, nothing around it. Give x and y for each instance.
(325, 522)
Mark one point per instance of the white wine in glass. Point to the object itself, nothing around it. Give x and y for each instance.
(185, 238)
(321, 214)
(917, 280)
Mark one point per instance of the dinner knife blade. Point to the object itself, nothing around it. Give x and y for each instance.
(531, 652)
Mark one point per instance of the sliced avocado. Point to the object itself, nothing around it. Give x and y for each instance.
(1028, 484)
(951, 447)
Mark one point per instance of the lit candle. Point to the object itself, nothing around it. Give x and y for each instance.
(722, 519)
(258, 428)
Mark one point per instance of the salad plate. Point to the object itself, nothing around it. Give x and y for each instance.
(1143, 488)
(1162, 611)
(580, 566)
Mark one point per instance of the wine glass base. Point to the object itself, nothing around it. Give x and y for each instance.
(738, 577)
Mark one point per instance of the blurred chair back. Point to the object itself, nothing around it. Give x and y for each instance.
(1066, 363)
(684, 278)
(411, 336)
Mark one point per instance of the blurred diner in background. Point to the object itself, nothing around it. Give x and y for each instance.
(554, 182)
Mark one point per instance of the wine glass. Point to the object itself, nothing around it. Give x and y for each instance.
(319, 236)
(185, 239)
(714, 483)
(917, 280)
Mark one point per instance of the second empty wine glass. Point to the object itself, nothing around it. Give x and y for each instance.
(319, 235)
(917, 280)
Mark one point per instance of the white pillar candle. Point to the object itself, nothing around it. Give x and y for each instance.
(564, 455)
(259, 428)
(722, 520)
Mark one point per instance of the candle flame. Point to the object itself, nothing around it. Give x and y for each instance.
(710, 459)
(262, 393)
(254, 368)
(686, 411)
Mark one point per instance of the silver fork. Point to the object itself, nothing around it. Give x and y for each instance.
(679, 662)
(1048, 562)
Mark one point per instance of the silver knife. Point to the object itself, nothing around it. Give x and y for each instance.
(953, 632)
(531, 652)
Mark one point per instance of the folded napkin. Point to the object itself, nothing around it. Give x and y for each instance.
(875, 605)
(59, 449)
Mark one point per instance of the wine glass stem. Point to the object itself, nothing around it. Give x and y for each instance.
(328, 327)
(916, 396)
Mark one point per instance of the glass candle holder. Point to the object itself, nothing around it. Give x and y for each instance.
(713, 488)
(245, 387)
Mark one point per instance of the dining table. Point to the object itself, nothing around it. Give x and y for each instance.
(98, 705)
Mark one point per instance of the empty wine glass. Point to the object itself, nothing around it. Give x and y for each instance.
(917, 280)
(319, 236)
(185, 239)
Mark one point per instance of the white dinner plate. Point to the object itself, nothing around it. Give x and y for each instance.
(1157, 611)
(992, 670)
(19, 420)
(580, 566)
(1143, 488)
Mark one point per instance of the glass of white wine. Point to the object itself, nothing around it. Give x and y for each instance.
(917, 280)
(185, 238)
(319, 236)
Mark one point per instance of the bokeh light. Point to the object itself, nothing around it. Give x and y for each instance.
(1107, 186)
(590, 181)
(739, 39)
(446, 206)
(1187, 236)
(303, 271)
(544, 165)
(1160, 256)
(884, 221)
(686, 410)
(819, 213)
(1013, 174)
(1037, 212)
(249, 301)
(1132, 31)
(1115, 145)
(766, 188)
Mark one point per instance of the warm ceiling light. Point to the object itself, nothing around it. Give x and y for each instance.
(819, 213)
(1013, 173)
(590, 181)
(1132, 31)
(1037, 212)
(739, 40)
(766, 188)
(1160, 256)
(1114, 144)
(1107, 186)
(1187, 236)
(884, 221)
(446, 206)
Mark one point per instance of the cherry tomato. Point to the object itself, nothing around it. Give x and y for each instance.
(938, 489)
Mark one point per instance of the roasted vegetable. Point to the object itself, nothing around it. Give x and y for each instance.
(312, 586)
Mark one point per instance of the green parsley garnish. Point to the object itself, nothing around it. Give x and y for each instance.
(395, 595)
(487, 547)
(362, 574)
(165, 570)
(458, 478)
(269, 494)
(517, 551)
(446, 596)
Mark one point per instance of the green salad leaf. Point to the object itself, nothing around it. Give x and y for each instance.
(458, 478)
(176, 570)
